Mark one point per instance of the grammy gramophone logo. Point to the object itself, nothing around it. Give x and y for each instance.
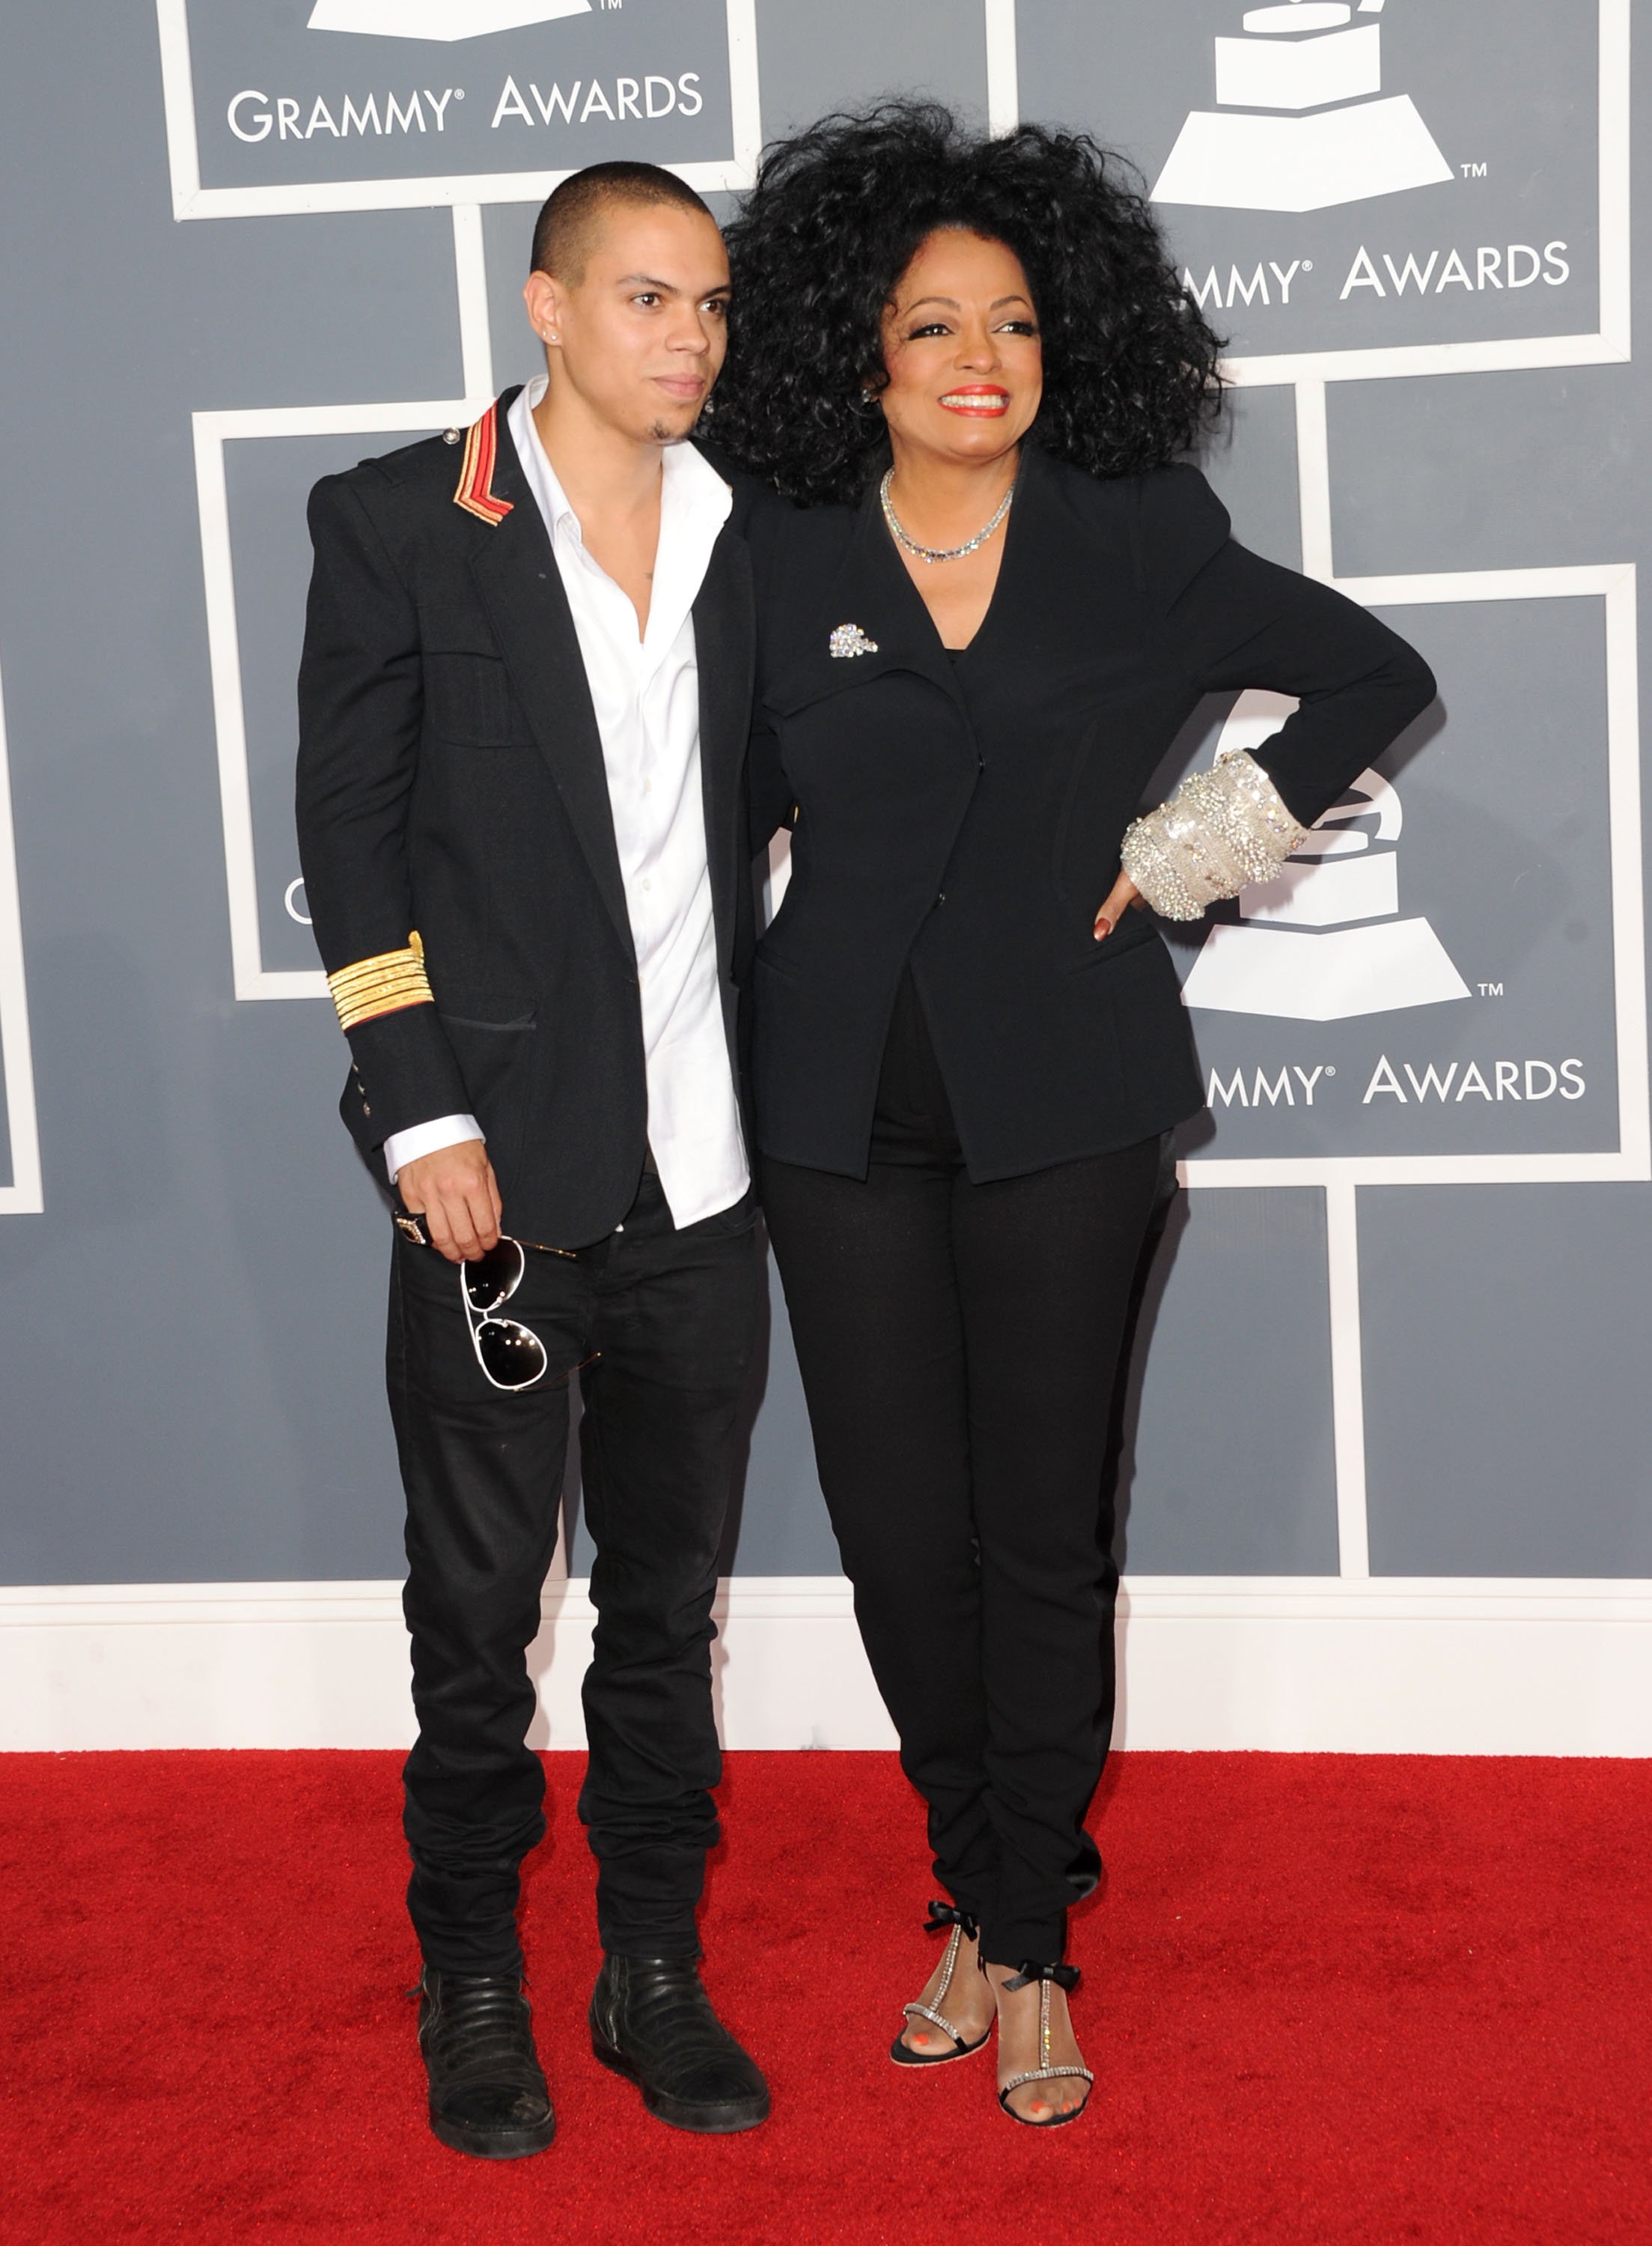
(1301, 122)
(437, 19)
(1325, 939)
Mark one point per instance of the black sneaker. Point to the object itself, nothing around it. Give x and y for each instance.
(488, 2093)
(652, 2022)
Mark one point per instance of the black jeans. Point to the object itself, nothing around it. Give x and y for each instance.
(958, 1344)
(673, 1314)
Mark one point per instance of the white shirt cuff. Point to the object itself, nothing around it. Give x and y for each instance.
(404, 1147)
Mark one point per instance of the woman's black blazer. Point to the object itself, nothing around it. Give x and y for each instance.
(966, 815)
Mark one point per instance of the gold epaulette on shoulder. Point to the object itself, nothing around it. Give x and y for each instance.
(382, 985)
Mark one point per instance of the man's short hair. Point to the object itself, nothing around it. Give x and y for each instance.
(566, 224)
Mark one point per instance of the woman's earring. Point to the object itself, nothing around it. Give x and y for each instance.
(551, 336)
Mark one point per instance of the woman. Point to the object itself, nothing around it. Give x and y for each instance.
(993, 607)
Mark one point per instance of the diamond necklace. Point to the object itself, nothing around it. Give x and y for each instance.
(939, 553)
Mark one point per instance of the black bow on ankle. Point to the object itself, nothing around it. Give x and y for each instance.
(1064, 1977)
(943, 1915)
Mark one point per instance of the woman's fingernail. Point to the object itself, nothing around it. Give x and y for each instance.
(1103, 928)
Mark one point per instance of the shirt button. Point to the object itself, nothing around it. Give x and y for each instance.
(646, 883)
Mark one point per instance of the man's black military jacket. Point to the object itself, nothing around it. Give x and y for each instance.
(455, 830)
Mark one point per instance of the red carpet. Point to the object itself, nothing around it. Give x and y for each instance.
(1325, 1998)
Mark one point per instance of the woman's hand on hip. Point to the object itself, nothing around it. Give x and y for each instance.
(1123, 894)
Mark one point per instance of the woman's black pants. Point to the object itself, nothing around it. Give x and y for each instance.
(958, 1344)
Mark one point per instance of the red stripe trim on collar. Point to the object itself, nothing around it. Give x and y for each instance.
(475, 493)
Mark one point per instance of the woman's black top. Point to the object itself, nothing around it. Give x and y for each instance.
(965, 813)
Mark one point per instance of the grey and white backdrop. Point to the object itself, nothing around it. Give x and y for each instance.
(1386, 1485)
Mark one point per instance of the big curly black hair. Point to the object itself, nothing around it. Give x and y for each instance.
(835, 217)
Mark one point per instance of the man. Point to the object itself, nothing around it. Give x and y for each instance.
(523, 710)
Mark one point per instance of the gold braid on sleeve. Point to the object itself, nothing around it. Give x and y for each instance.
(382, 985)
(1221, 830)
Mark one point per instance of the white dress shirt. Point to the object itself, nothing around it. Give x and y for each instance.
(646, 695)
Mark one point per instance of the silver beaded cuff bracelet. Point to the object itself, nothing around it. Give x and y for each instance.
(1221, 829)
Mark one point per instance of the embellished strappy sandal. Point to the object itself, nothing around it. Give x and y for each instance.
(941, 1914)
(1064, 1977)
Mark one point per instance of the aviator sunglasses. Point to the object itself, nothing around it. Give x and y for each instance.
(512, 1356)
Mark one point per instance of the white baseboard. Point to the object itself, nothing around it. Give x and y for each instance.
(1291, 1664)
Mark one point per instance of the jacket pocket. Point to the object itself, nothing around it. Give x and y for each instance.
(528, 1021)
(777, 961)
(1134, 933)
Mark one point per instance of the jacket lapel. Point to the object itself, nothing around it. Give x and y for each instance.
(724, 635)
(870, 619)
(521, 588)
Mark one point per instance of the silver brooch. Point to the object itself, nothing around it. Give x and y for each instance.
(849, 639)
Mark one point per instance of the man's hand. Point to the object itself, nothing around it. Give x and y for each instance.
(1123, 894)
(456, 1193)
